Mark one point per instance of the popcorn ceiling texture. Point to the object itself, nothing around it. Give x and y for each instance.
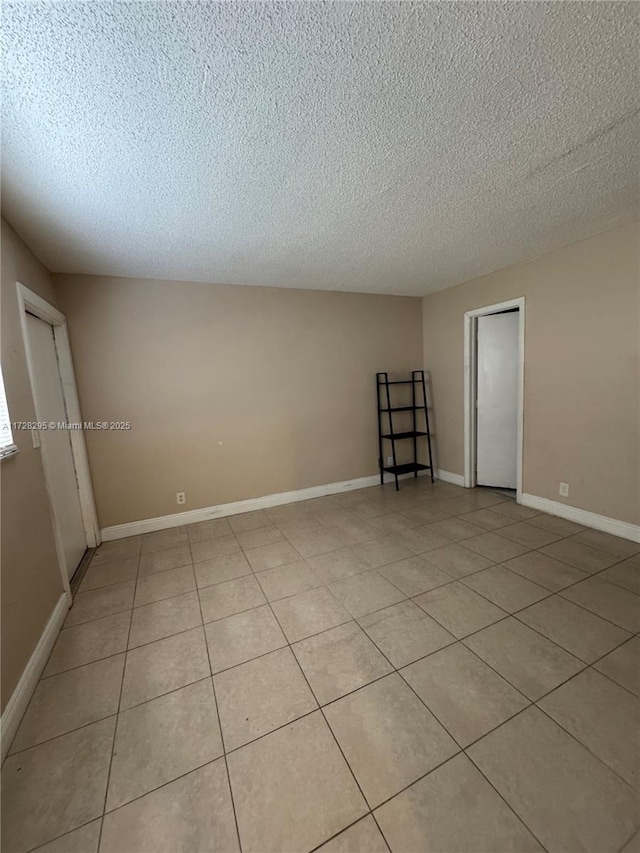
(380, 147)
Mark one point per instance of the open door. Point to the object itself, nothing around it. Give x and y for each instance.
(497, 400)
(55, 443)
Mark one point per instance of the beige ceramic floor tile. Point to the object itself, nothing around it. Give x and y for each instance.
(363, 837)
(162, 561)
(163, 618)
(533, 664)
(110, 573)
(394, 522)
(534, 765)
(100, 602)
(301, 527)
(580, 556)
(261, 695)
(602, 716)
(309, 613)
(545, 571)
(515, 511)
(242, 637)
(337, 565)
(456, 529)
(340, 660)
(365, 593)
(607, 600)
(163, 666)
(316, 543)
(388, 737)
(89, 642)
(487, 519)
(212, 529)
(271, 556)
(272, 786)
(117, 550)
(353, 531)
(459, 609)
(287, 580)
(633, 845)
(260, 536)
(457, 560)
(427, 513)
(580, 632)
(505, 589)
(164, 539)
(380, 552)
(607, 543)
(162, 739)
(404, 632)
(481, 498)
(494, 547)
(529, 535)
(421, 540)
(161, 585)
(228, 567)
(205, 549)
(623, 665)
(626, 575)
(225, 599)
(55, 787)
(82, 840)
(415, 575)
(453, 809)
(556, 525)
(192, 814)
(452, 506)
(248, 521)
(72, 699)
(466, 695)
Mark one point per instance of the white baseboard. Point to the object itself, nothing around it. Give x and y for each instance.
(623, 529)
(163, 522)
(449, 477)
(17, 704)
(149, 525)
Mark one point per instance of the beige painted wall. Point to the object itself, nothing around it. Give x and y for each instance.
(31, 582)
(232, 392)
(581, 423)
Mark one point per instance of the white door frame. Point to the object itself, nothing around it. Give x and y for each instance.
(470, 388)
(30, 302)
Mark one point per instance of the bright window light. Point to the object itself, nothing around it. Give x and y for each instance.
(6, 435)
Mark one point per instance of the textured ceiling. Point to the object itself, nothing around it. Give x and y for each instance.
(382, 147)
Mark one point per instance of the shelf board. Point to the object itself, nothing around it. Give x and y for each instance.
(409, 434)
(403, 409)
(407, 468)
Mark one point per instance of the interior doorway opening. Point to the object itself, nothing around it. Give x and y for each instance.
(61, 439)
(494, 395)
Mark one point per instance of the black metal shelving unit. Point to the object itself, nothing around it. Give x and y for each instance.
(386, 407)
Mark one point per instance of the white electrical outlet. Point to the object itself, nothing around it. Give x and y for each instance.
(563, 491)
(181, 498)
(389, 460)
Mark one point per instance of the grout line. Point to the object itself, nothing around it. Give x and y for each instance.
(68, 832)
(215, 702)
(583, 745)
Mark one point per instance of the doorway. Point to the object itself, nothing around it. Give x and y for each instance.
(494, 395)
(62, 448)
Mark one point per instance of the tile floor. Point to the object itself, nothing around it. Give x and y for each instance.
(433, 670)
